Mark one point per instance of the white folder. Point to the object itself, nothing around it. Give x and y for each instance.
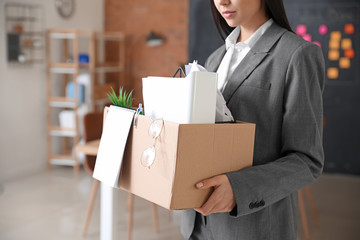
(112, 145)
(183, 100)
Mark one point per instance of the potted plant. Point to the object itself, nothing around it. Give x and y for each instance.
(124, 99)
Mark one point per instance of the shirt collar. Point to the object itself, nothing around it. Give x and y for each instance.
(231, 40)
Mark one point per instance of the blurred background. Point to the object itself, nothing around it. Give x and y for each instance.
(60, 58)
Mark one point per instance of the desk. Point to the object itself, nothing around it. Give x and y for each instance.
(106, 194)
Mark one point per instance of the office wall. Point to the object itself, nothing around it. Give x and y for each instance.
(136, 19)
(23, 93)
(203, 35)
(340, 44)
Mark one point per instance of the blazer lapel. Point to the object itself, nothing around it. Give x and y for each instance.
(252, 59)
(247, 66)
(215, 61)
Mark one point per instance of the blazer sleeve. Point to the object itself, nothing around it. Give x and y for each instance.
(301, 156)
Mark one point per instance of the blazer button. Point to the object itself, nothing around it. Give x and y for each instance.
(251, 205)
(262, 203)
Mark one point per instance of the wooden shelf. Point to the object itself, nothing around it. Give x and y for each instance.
(32, 48)
(66, 160)
(22, 19)
(27, 61)
(62, 35)
(110, 36)
(102, 67)
(63, 68)
(109, 69)
(32, 33)
(84, 65)
(63, 65)
(57, 131)
(62, 102)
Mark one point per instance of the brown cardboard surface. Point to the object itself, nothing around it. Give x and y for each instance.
(185, 155)
(156, 181)
(205, 151)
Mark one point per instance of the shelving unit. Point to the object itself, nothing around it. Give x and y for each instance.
(25, 35)
(106, 62)
(67, 70)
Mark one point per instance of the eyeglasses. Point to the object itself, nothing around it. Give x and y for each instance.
(148, 156)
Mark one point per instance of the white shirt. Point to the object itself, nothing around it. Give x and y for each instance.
(236, 51)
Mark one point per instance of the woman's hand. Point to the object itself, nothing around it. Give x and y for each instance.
(221, 200)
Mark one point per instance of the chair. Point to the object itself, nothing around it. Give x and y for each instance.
(93, 123)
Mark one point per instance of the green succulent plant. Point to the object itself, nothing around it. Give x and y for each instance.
(124, 99)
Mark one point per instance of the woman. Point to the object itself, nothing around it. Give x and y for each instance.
(271, 77)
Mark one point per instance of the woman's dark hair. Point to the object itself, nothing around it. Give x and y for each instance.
(274, 9)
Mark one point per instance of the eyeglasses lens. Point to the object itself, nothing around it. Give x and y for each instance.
(148, 156)
(155, 128)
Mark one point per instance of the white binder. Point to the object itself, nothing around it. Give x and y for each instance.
(183, 100)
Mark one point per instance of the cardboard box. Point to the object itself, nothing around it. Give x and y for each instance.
(185, 155)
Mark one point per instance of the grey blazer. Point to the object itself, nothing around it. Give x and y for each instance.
(278, 86)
